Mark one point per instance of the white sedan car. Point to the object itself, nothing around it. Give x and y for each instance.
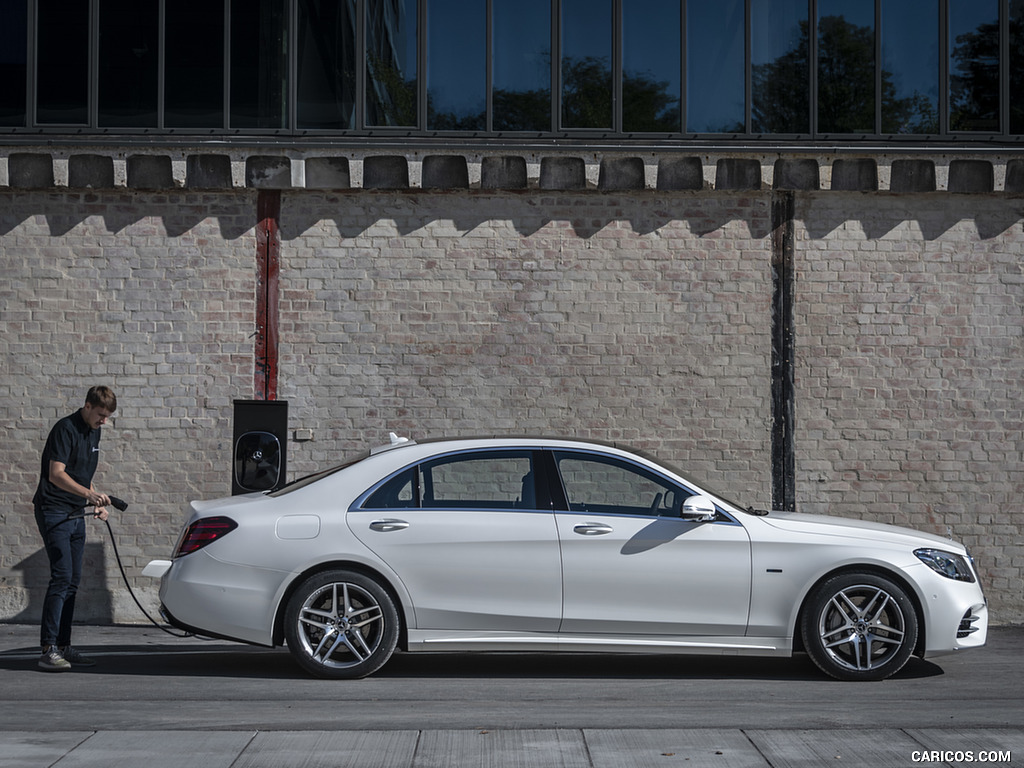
(526, 544)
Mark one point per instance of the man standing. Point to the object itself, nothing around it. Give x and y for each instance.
(65, 488)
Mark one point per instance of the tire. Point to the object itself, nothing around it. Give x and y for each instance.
(341, 624)
(859, 626)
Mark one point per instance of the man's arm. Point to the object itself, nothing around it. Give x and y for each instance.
(64, 481)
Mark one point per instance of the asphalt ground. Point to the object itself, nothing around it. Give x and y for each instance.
(154, 700)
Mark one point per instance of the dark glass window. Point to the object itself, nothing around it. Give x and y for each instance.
(1016, 66)
(326, 87)
(521, 83)
(128, 63)
(603, 485)
(586, 64)
(488, 480)
(400, 492)
(13, 61)
(780, 76)
(974, 65)
(715, 66)
(456, 66)
(846, 66)
(259, 65)
(194, 76)
(910, 66)
(391, 77)
(651, 64)
(62, 62)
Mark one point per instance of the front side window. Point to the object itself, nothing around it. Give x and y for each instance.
(605, 485)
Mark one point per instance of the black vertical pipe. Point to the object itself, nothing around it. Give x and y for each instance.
(783, 450)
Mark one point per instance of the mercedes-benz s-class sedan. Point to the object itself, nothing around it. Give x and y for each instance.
(526, 544)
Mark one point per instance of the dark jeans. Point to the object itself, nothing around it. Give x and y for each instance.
(64, 540)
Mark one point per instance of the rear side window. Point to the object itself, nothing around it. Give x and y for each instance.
(479, 480)
(493, 480)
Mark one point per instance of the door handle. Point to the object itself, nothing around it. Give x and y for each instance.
(592, 529)
(388, 525)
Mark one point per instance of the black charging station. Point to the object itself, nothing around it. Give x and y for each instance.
(259, 449)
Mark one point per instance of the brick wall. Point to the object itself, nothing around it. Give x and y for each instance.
(641, 320)
(910, 315)
(153, 295)
(642, 316)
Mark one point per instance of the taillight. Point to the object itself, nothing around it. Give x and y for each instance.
(203, 532)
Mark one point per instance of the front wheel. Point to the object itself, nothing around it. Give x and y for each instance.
(859, 626)
(341, 624)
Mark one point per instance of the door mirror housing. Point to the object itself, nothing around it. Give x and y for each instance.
(699, 509)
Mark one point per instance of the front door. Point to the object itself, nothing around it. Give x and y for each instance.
(632, 566)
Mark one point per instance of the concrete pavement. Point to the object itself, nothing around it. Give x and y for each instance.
(53, 743)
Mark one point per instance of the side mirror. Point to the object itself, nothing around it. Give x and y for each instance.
(699, 509)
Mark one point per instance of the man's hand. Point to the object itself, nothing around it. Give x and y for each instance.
(97, 499)
(101, 513)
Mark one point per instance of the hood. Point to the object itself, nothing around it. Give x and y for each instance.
(860, 529)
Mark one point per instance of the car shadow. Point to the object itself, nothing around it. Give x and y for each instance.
(226, 660)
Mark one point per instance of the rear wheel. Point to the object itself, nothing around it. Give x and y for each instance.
(859, 626)
(341, 624)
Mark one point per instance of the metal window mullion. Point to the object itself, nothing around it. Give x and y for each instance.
(32, 55)
(1004, 68)
(489, 66)
(812, 64)
(944, 67)
(359, 118)
(92, 97)
(684, 107)
(556, 65)
(291, 121)
(878, 68)
(226, 119)
(421, 64)
(748, 70)
(618, 58)
(161, 62)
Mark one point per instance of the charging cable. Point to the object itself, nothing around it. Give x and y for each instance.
(120, 505)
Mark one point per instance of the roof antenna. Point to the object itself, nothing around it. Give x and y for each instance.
(396, 440)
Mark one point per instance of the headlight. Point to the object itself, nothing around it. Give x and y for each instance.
(946, 563)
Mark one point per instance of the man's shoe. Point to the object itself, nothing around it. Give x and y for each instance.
(53, 661)
(76, 658)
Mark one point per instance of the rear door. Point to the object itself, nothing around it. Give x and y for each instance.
(631, 565)
(467, 537)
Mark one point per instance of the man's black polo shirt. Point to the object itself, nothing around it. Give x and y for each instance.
(73, 443)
